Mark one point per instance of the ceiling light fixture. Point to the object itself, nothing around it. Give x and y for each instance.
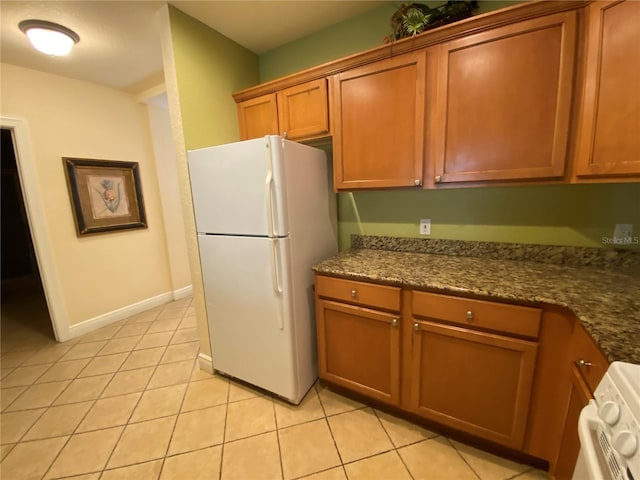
(48, 37)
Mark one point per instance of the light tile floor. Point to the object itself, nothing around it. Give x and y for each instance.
(129, 402)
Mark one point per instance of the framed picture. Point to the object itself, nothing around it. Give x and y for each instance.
(106, 195)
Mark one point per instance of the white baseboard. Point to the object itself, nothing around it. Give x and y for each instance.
(183, 292)
(205, 362)
(108, 318)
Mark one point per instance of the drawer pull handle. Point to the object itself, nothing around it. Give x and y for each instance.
(353, 293)
(416, 327)
(469, 314)
(581, 363)
(394, 322)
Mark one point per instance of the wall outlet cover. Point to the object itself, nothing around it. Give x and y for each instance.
(622, 233)
(425, 226)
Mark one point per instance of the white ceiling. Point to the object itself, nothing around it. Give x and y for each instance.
(120, 40)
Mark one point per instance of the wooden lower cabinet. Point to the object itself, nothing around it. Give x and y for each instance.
(359, 348)
(516, 376)
(587, 367)
(473, 381)
(570, 443)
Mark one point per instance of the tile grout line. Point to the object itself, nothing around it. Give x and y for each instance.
(395, 447)
(173, 430)
(277, 432)
(224, 429)
(462, 457)
(106, 464)
(104, 468)
(99, 429)
(75, 429)
(46, 409)
(326, 419)
(93, 404)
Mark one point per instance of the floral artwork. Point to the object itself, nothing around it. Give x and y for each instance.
(107, 199)
(106, 195)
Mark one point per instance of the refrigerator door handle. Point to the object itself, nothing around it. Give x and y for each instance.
(269, 182)
(277, 288)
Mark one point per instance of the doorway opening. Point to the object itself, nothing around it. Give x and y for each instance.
(25, 321)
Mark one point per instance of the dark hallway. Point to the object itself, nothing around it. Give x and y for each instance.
(25, 323)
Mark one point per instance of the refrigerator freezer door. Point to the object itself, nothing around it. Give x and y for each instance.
(248, 307)
(237, 188)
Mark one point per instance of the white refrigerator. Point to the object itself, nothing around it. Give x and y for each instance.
(265, 213)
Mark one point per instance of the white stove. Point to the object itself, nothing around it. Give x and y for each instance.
(609, 427)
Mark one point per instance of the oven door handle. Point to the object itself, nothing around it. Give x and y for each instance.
(588, 424)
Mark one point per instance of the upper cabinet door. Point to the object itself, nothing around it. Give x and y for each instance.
(303, 110)
(258, 117)
(504, 102)
(378, 124)
(609, 140)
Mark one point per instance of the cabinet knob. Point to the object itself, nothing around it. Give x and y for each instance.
(437, 179)
(582, 363)
(394, 322)
(284, 134)
(353, 293)
(417, 182)
(469, 314)
(416, 327)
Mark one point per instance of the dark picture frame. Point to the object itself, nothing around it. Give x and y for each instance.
(106, 195)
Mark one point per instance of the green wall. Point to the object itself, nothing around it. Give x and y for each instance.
(545, 214)
(209, 68)
(345, 38)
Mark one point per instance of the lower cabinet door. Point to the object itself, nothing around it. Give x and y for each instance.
(476, 382)
(359, 348)
(570, 443)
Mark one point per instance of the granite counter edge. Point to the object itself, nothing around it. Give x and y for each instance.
(533, 300)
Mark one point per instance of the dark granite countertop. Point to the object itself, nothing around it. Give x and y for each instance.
(607, 301)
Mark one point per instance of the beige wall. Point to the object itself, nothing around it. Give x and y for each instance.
(103, 273)
(164, 150)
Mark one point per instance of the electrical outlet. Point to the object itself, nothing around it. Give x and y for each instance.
(425, 226)
(622, 234)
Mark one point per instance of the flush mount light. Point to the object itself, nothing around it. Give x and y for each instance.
(48, 37)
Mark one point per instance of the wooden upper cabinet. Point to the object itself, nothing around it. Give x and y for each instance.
(300, 112)
(378, 124)
(609, 134)
(504, 102)
(303, 110)
(258, 117)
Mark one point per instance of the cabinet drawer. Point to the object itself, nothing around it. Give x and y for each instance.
(514, 319)
(361, 293)
(587, 357)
